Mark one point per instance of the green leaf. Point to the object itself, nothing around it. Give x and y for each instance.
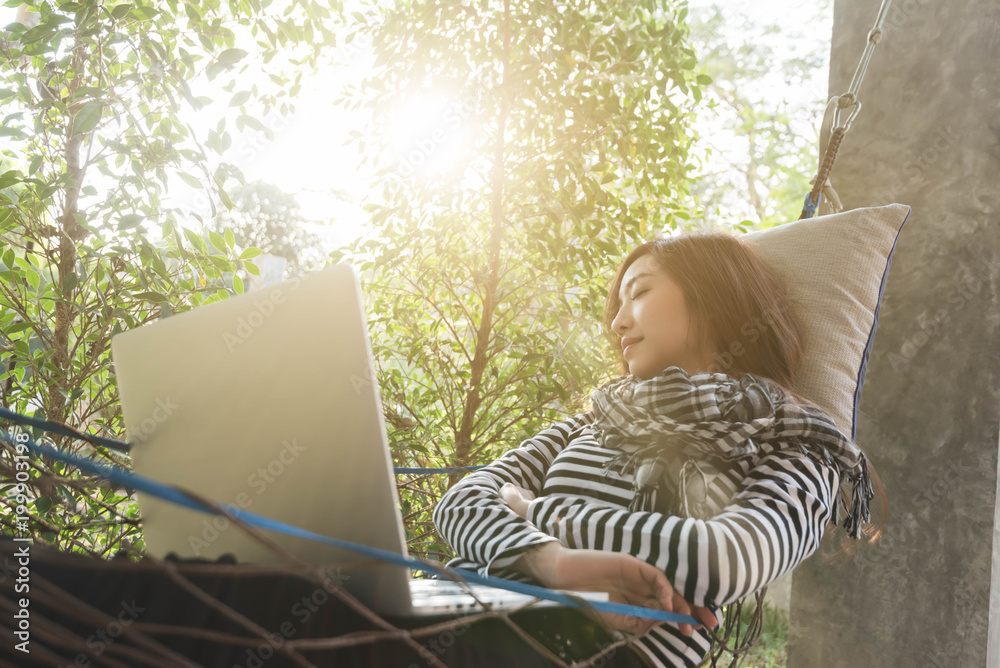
(190, 180)
(87, 91)
(120, 11)
(42, 504)
(240, 98)
(144, 13)
(230, 239)
(87, 117)
(7, 179)
(226, 60)
(150, 296)
(237, 284)
(69, 282)
(231, 56)
(6, 131)
(217, 240)
(250, 252)
(252, 268)
(195, 240)
(129, 221)
(221, 263)
(253, 123)
(16, 327)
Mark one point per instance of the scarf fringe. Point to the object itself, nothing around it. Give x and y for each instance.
(862, 493)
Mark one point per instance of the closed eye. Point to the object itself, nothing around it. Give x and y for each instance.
(639, 294)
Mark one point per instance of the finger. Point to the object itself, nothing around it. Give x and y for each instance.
(706, 616)
(656, 581)
(654, 604)
(628, 623)
(681, 607)
(649, 600)
(666, 593)
(658, 593)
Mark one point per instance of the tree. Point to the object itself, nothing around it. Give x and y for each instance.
(265, 217)
(763, 185)
(541, 141)
(94, 135)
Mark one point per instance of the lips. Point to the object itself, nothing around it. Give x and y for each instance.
(628, 342)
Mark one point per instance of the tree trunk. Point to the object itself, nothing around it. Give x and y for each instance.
(473, 398)
(70, 233)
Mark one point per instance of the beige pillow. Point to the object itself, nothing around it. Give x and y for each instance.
(834, 268)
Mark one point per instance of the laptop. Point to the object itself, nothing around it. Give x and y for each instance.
(268, 401)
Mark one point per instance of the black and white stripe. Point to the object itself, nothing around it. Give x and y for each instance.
(772, 513)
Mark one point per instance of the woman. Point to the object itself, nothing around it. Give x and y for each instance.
(690, 483)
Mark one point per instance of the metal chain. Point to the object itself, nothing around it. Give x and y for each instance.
(840, 104)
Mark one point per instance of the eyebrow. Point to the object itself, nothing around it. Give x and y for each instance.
(632, 280)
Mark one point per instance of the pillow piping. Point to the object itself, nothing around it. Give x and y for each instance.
(871, 335)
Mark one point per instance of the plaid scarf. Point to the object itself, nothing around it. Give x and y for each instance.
(676, 431)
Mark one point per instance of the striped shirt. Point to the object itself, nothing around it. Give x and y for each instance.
(772, 512)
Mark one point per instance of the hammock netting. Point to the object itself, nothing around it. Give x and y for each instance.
(88, 611)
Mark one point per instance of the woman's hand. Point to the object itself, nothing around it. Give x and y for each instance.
(627, 579)
(517, 498)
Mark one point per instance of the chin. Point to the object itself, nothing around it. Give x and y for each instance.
(647, 373)
(643, 373)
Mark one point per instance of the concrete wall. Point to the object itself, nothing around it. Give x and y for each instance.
(928, 135)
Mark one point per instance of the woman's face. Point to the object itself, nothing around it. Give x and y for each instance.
(653, 322)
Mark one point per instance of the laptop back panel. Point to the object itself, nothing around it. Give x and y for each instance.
(267, 401)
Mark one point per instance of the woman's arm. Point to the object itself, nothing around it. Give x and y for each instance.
(478, 524)
(776, 521)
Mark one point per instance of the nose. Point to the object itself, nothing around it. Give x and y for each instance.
(622, 321)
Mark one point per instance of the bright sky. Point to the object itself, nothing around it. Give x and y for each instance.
(308, 156)
(794, 17)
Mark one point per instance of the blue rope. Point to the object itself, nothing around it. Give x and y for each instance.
(63, 429)
(808, 208)
(136, 482)
(123, 447)
(410, 469)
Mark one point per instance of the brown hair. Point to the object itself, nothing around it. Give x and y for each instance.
(737, 308)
